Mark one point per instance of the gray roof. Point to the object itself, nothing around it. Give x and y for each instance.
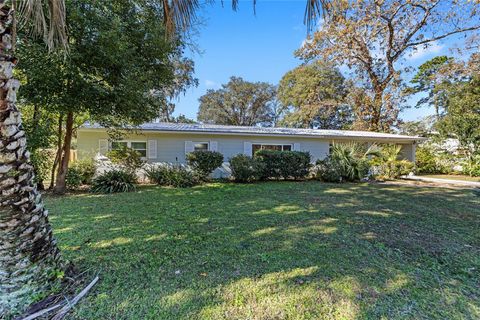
(263, 131)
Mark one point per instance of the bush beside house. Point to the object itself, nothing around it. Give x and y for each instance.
(283, 164)
(114, 181)
(173, 176)
(246, 169)
(204, 162)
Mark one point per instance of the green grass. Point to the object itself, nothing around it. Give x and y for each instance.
(452, 177)
(280, 250)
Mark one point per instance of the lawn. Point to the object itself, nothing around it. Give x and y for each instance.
(279, 250)
(452, 177)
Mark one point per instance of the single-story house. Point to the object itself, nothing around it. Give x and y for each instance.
(170, 142)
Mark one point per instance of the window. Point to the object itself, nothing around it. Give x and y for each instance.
(278, 147)
(200, 146)
(139, 146)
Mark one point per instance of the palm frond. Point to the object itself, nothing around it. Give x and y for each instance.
(47, 20)
(179, 15)
(314, 10)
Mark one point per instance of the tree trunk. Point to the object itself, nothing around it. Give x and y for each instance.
(28, 251)
(36, 122)
(375, 120)
(58, 154)
(61, 182)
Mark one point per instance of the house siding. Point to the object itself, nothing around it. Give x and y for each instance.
(171, 146)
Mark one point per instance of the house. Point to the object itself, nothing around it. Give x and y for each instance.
(170, 142)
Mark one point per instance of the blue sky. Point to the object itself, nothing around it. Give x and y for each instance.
(259, 48)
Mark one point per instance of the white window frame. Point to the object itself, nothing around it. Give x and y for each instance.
(129, 145)
(272, 144)
(201, 142)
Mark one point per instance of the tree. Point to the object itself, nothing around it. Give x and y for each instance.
(27, 247)
(462, 119)
(239, 103)
(316, 95)
(116, 87)
(373, 38)
(428, 79)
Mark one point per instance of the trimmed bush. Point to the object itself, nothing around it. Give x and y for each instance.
(114, 181)
(245, 168)
(204, 162)
(283, 164)
(127, 158)
(174, 176)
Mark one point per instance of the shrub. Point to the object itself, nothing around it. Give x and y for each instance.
(428, 162)
(127, 158)
(472, 167)
(245, 168)
(174, 176)
(114, 181)
(346, 162)
(80, 172)
(42, 160)
(204, 162)
(73, 178)
(86, 169)
(388, 164)
(327, 170)
(283, 164)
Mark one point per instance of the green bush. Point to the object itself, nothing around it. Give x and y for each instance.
(127, 158)
(86, 169)
(283, 164)
(114, 181)
(245, 168)
(388, 164)
(42, 160)
(327, 170)
(73, 178)
(472, 167)
(428, 162)
(346, 162)
(80, 172)
(204, 162)
(174, 176)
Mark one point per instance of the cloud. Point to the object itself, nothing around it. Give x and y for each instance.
(210, 84)
(422, 51)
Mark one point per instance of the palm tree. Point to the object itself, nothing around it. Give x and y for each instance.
(28, 251)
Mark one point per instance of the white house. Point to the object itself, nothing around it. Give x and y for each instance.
(170, 142)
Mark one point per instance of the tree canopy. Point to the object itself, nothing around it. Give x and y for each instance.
(240, 103)
(315, 94)
(373, 37)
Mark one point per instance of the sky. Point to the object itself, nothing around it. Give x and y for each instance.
(260, 47)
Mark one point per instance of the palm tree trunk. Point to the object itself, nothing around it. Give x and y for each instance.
(28, 251)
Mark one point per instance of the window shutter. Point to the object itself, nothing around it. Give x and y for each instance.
(296, 146)
(103, 146)
(247, 148)
(189, 147)
(213, 146)
(152, 149)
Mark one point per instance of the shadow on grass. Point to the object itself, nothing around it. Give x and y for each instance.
(276, 250)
